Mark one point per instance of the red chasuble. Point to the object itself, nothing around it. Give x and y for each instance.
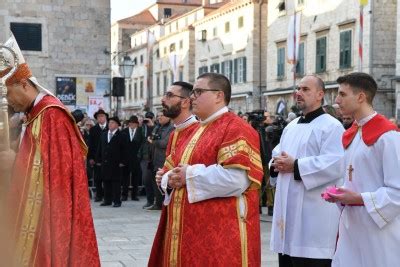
(49, 200)
(212, 232)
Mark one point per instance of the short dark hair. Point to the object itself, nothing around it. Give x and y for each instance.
(186, 88)
(218, 81)
(360, 81)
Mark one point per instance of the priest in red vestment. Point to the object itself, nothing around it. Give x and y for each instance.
(210, 217)
(48, 204)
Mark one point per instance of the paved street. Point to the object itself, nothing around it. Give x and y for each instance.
(125, 235)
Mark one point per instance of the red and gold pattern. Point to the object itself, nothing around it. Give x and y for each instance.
(213, 232)
(49, 201)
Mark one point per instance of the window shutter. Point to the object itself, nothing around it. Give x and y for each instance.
(244, 69)
(235, 70)
(223, 68)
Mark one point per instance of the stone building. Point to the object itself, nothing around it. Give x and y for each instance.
(231, 40)
(152, 71)
(62, 39)
(329, 41)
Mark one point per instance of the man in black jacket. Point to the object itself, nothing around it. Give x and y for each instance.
(132, 172)
(94, 138)
(159, 141)
(112, 156)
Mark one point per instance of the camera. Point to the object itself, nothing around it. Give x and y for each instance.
(155, 136)
(256, 116)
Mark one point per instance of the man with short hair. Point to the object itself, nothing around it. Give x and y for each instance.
(159, 141)
(307, 159)
(211, 217)
(48, 202)
(370, 197)
(347, 121)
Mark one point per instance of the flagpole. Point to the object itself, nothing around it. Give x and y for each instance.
(360, 41)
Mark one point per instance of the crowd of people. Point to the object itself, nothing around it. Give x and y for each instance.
(337, 196)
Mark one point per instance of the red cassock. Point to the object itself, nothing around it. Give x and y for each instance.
(50, 207)
(212, 232)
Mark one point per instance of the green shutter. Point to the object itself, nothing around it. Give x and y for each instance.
(321, 55)
(235, 70)
(244, 69)
(345, 50)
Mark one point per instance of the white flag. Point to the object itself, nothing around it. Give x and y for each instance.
(293, 39)
(151, 38)
(174, 64)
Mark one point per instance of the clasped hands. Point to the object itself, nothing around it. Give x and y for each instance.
(283, 163)
(176, 178)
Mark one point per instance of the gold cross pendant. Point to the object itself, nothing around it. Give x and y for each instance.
(351, 169)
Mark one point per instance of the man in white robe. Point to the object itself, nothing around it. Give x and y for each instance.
(369, 229)
(308, 158)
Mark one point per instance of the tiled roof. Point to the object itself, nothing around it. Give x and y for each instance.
(144, 17)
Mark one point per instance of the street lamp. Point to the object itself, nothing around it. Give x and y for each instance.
(126, 69)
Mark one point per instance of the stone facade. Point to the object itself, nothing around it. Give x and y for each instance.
(330, 20)
(230, 41)
(74, 33)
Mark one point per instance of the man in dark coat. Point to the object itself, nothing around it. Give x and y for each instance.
(132, 172)
(94, 138)
(159, 141)
(112, 156)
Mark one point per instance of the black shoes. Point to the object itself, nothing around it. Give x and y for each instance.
(97, 199)
(154, 207)
(135, 198)
(270, 211)
(105, 204)
(124, 198)
(147, 205)
(117, 205)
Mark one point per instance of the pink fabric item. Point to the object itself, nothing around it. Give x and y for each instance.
(332, 190)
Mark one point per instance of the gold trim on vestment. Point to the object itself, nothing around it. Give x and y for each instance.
(177, 211)
(240, 146)
(31, 215)
(242, 229)
(169, 164)
(240, 166)
(80, 137)
(377, 211)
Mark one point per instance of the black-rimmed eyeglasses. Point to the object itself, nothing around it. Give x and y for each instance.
(171, 95)
(198, 91)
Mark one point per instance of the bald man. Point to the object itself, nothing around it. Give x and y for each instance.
(306, 161)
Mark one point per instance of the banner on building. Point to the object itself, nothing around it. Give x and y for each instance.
(293, 39)
(66, 90)
(174, 65)
(95, 103)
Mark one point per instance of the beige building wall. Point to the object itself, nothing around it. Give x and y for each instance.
(329, 20)
(75, 34)
(230, 34)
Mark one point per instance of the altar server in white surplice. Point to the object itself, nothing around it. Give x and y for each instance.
(369, 229)
(308, 159)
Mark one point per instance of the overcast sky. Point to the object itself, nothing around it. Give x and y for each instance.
(125, 8)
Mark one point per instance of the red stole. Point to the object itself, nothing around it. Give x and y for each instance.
(209, 233)
(371, 131)
(49, 200)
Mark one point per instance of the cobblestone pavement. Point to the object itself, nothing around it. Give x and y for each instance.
(125, 235)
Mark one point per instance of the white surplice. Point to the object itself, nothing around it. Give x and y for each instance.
(369, 235)
(304, 225)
